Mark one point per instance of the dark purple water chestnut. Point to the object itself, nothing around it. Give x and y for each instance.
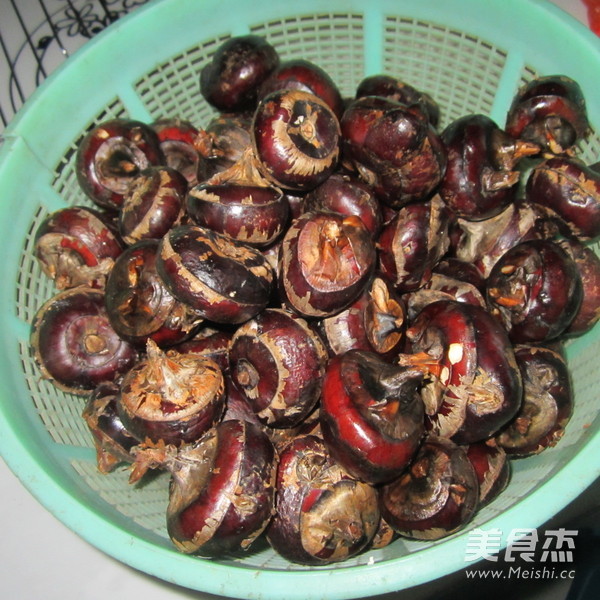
(535, 291)
(549, 111)
(171, 397)
(394, 148)
(231, 78)
(111, 155)
(211, 342)
(399, 91)
(304, 75)
(77, 246)
(473, 385)
(112, 441)
(296, 137)
(437, 496)
(223, 142)
(461, 270)
(240, 203)
(371, 414)
(348, 195)
(570, 190)
(277, 362)
(375, 321)
(178, 140)
(138, 303)
(74, 344)
(481, 175)
(221, 493)
(153, 203)
(323, 515)
(493, 469)
(412, 243)
(547, 402)
(588, 265)
(226, 281)
(483, 243)
(326, 262)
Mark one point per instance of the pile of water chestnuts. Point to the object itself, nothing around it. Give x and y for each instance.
(330, 321)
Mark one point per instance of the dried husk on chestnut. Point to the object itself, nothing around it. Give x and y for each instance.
(225, 280)
(547, 402)
(277, 362)
(153, 203)
(412, 243)
(74, 344)
(375, 321)
(326, 261)
(323, 516)
(437, 496)
(77, 246)
(112, 441)
(138, 303)
(240, 203)
(171, 397)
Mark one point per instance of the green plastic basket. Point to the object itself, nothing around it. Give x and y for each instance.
(471, 56)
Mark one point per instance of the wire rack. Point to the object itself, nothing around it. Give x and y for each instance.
(36, 36)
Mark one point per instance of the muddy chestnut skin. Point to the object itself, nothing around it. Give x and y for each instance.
(535, 291)
(153, 203)
(74, 343)
(326, 260)
(394, 148)
(375, 321)
(230, 80)
(295, 136)
(474, 385)
(77, 246)
(223, 279)
(547, 403)
(277, 362)
(570, 190)
(481, 174)
(113, 442)
(323, 515)
(371, 415)
(437, 496)
(171, 397)
(138, 303)
(549, 111)
(111, 155)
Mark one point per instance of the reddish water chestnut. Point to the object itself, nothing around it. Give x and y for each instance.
(326, 261)
(226, 281)
(138, 303)
(535, 291)
(171, 397)
(549, 111)
(153, 203)
(77, 246)
(323, 515)
(372, 415)
(277, 362)
(493, 469)
(74, 343)
(111, 155)
(547, 402)
(296, 139)
(437, 496)
(481, 175)
(230, 80)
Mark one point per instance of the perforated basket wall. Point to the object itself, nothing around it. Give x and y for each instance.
(471, 56)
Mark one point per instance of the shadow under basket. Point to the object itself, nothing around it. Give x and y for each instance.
(470, 56)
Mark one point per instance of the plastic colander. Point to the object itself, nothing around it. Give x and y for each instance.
(471, 56)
